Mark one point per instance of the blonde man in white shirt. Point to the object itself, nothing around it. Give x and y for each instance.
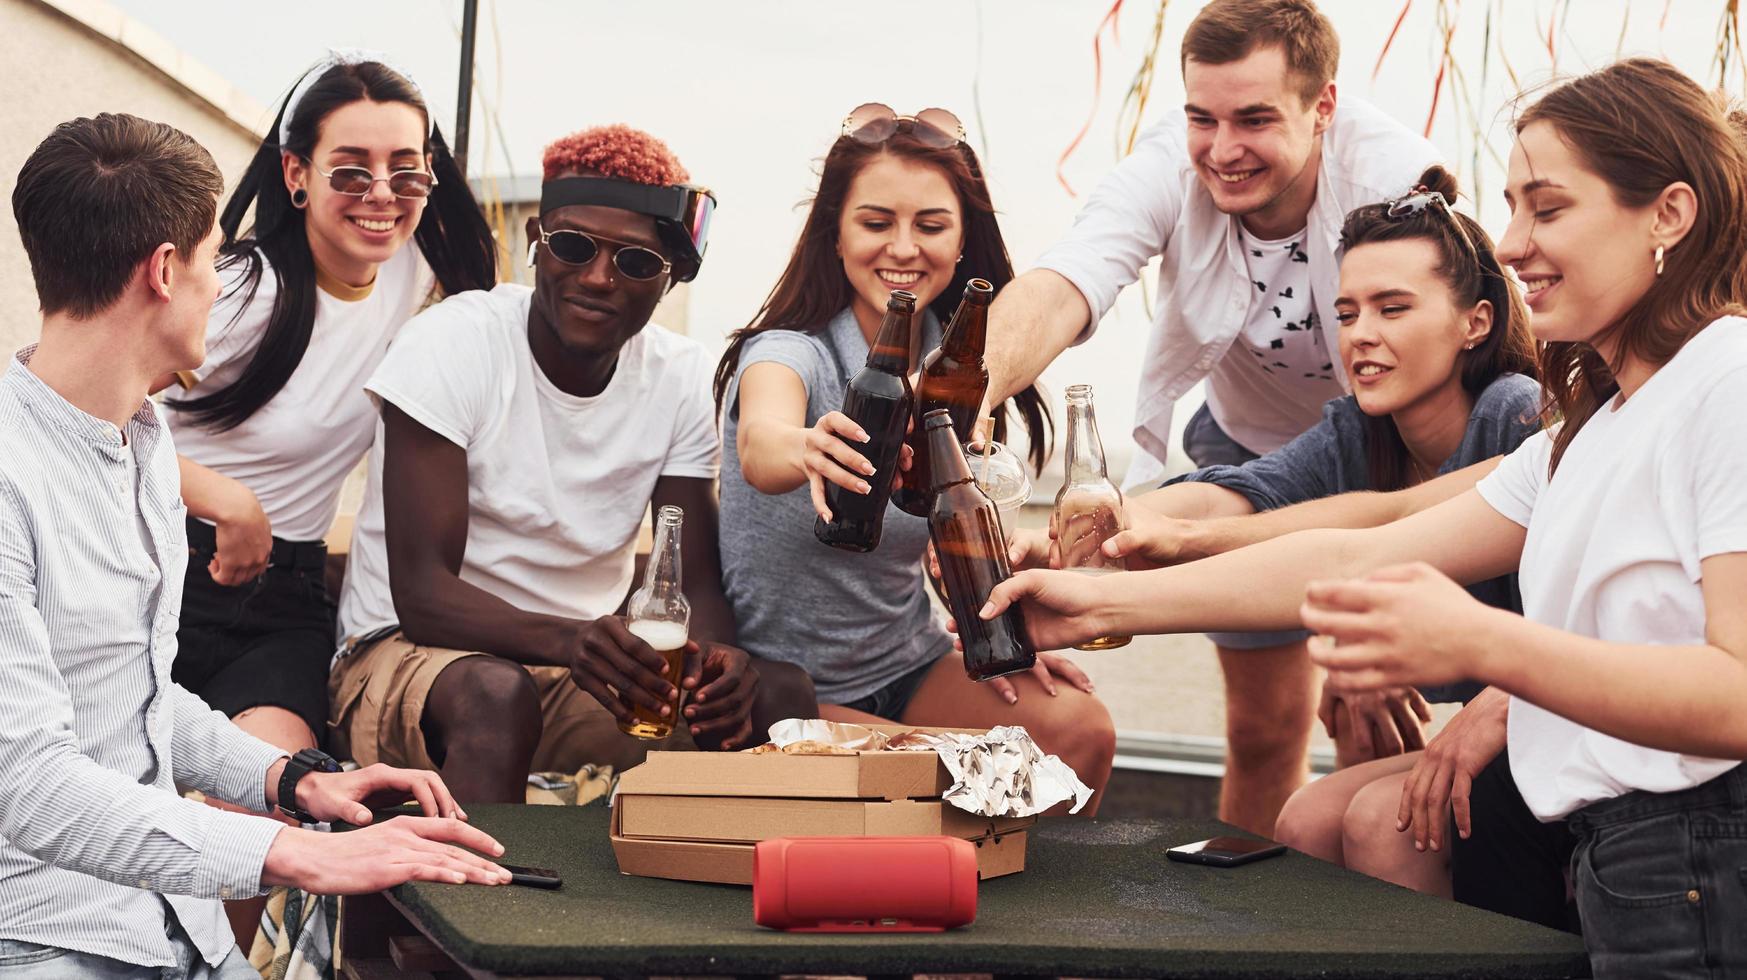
(1627, 524)
(1242, 195)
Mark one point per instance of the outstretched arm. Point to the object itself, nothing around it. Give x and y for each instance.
(1261, 587)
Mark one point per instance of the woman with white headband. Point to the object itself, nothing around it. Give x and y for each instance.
(358, 206)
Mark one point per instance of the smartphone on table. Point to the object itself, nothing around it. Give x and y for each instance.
(532, 877)
(1225, 852)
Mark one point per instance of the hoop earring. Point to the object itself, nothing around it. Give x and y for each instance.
(531, 247)
(1659, 252)
(299, 198)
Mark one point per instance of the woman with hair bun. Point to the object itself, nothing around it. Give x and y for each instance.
(1625, 522)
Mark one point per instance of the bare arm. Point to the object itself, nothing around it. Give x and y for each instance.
(1036, 317)
(1181, 537)
(424, 489)
(1260, 587)
(245, 535)
(1409, 624)
(779, 451)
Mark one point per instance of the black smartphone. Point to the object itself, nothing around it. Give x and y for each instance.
(1225, 852)
(533, 877)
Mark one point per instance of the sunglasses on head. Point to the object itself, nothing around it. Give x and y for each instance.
(580, 248)
(1422, 198)
(874, 123)
(357, 181)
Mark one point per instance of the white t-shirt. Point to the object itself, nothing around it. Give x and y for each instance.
(556, 485)
(297, 450)
(1645, 492)
(1263, 396)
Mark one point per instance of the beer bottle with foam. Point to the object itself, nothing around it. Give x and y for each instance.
(660, 616)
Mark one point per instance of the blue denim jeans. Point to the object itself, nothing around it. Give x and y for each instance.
(1661, 881)
(29, 961)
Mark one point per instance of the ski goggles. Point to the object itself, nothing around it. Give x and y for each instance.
(875, 122)
(682, 214)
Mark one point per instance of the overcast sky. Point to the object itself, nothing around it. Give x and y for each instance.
(751, 93)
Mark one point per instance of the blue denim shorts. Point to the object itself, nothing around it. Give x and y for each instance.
(1661, 881)
(1208, 445)
(890, 701)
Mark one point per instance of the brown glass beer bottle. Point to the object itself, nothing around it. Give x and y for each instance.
(966, 531)
(879, 399)
(954, 378)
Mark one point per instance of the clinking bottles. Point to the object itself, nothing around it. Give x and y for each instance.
(660, 616)
(954, 378)
(879, 399)
(966, 531)
(1088, 508)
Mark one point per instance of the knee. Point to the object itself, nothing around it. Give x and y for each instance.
(488, 699)
(784, 691)
(1369, 824)
(1257, 738)
(1312, 824)
(1084, 736)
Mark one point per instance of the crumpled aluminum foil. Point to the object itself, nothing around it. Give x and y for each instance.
(999, 773)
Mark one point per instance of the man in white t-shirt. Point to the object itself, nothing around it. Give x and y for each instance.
(1241, 196)
(526, 432)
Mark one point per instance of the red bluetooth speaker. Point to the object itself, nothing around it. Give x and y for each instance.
(864, 884)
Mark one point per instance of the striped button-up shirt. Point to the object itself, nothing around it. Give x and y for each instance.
(96, 845)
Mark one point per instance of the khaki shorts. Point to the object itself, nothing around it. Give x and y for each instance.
(378, 692)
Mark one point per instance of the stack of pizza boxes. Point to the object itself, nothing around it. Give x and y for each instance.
(696, 816)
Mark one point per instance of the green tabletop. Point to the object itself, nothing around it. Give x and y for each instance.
(1096, 899)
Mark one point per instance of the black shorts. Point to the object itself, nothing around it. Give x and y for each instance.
(265, 643)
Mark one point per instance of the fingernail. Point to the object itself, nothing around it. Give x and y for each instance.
(1012, 698)
(868, 468)
(987, 610)
(457, 877)
(1400, 825)
(497, 850)
(461, 813)
(862, 487)
(863, 436)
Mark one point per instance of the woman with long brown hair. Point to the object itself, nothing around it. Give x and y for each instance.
(901, 204)
(1626, 523)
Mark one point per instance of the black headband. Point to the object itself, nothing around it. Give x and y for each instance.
(661, 203)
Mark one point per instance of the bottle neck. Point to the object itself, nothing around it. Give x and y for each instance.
(662, 577)
(891, 347)
(946, 462)
(968, 334)
(1085, 453)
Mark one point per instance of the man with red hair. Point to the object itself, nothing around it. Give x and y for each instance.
(526, 431)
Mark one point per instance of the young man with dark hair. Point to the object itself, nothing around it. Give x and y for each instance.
(105, 870)
(526, 431)
(1241, 194)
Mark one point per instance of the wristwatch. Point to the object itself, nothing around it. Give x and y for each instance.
(300, 765)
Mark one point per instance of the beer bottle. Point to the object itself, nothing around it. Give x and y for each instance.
(954, 378)
(966, 531)
(1088, 508)
(879, 399)
(660, 616)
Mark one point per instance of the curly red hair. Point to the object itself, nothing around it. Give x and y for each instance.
(615, 151)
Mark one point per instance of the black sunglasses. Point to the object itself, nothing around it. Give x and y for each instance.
(580, 248)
